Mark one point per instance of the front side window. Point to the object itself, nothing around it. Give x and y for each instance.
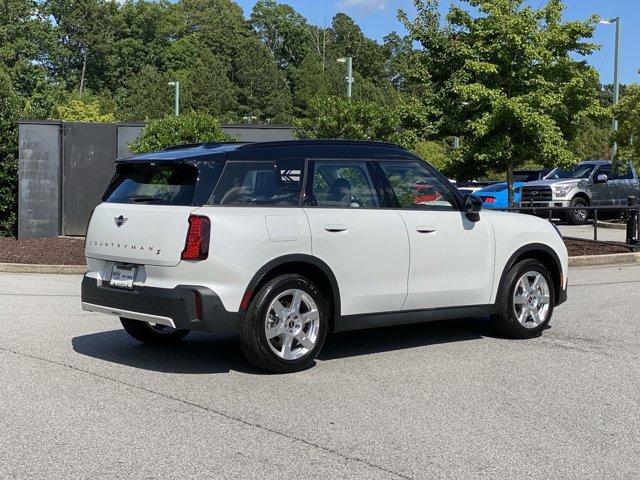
(259, 184)
(414, 186)
(342, 184)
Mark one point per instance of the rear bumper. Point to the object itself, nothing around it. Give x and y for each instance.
(175, 307)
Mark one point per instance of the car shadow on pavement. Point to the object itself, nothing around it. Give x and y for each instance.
(205, 353)
(198, 353)
(376, 340)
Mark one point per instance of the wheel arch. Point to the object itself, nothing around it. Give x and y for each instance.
(543, 253)
(584, 195)
(307, 265)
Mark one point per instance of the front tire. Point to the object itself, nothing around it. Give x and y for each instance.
(153, 334)
(578, 217)
(526, 301)
(285, 326)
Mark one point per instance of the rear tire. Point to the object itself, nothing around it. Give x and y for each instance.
(285, 326)
(153, 334)
(526, 301)
(578, 217)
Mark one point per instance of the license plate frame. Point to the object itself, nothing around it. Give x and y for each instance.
(123, 276)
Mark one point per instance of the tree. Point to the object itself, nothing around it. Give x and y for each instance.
(505, 80)
(145, 96)
(283, 31)
(26, 37)
(628, 134)
(10, 106)
(171, 130)
(85, 30)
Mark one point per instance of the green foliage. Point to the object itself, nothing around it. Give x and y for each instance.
(628, 134)
(171, 130)
(436, 153)
(334, 117)
(504, 80)
(80, 111)
(10, 106)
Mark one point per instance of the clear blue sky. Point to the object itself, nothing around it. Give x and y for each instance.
(378, 17)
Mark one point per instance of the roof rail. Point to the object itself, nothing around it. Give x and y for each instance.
(284, 143)
(201, 144)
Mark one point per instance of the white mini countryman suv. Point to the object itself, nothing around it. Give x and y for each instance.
(285, 242)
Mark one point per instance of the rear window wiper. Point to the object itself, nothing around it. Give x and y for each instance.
(146, 198)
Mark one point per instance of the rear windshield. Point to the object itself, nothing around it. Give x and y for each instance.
(153, 184)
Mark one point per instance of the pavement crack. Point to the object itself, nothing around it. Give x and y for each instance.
(573, 285)
(212, 411)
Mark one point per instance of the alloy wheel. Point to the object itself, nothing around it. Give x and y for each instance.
(531, 299)
(292, 324)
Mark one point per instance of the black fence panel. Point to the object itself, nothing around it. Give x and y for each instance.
(65, 168)
(39, 180)
(89, 152)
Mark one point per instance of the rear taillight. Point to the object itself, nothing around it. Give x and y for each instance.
(488, 199)
(197, 245)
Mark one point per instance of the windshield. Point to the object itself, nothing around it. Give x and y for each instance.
(579, 171)
(525, 176)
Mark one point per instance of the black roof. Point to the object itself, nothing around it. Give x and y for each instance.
(213, 151)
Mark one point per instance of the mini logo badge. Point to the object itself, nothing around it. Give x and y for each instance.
(535, 192)
(120, 221)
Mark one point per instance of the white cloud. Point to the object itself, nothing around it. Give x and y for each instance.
(362, 6)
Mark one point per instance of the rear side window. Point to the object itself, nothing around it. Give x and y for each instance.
(260, 184)
(153, 184)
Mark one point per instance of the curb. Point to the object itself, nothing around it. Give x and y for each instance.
(614, 226)
(583, 261)
(34, 268)
(612, 259)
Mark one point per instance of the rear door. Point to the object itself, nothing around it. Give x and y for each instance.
(144, 215)
(452, 258)
(628, 185)
(365, 245)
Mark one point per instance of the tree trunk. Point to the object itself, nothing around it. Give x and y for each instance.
(84, 67)
(510, 184)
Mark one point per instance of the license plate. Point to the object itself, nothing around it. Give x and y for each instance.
(123, 277)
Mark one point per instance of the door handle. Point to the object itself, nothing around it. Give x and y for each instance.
(426, 229)
(336, 228)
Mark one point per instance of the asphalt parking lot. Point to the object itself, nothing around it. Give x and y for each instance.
(80, 399)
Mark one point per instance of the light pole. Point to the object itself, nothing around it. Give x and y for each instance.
(349, 62)
(176, 107)
(616, 67)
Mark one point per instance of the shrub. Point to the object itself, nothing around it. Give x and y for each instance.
(79, 111)
(10, 107)
(171, 130)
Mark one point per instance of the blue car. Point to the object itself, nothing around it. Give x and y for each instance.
(495, 196)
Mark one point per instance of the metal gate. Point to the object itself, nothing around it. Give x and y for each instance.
(89, 151)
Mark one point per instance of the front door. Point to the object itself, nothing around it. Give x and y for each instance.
(452, 258)
(364, 245)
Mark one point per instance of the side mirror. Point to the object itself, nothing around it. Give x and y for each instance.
(601, 178)
(472, 206)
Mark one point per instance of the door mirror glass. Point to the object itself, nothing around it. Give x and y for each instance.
(472, 206)
(601, 178)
